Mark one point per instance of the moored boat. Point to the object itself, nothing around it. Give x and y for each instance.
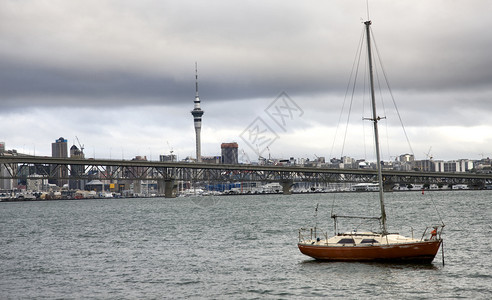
(371, 246)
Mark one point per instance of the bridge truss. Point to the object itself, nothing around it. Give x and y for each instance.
(33, 167)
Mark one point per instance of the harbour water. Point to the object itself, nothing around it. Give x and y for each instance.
(233, 247)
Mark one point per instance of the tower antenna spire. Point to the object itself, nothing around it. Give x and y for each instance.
(196, 79)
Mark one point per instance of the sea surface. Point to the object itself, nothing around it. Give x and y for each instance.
(234, 247)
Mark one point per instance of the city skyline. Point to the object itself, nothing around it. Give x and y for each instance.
(125, 87)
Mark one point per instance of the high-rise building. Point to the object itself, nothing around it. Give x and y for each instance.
(59, 149)
(76, 170)
(2, 147)
(197, 113)
(229, 153)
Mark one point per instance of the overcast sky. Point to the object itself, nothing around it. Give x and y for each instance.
(120, 75)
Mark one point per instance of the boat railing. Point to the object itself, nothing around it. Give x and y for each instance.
(335, 218)
(312, 234)
(355, 217)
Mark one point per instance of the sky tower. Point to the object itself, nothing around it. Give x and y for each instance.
(197, 113)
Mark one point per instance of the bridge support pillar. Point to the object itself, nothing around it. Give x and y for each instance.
(137, 187)
(286, 186)
(161, 186)
(169, 188)
(388, 186)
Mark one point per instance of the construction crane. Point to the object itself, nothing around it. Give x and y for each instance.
(81, 146)
(170, 148)
(245, 157)
(428, 154)
(171, 151)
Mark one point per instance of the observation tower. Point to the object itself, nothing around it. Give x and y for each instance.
(197, 113)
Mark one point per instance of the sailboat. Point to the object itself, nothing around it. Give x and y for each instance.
(371, 246)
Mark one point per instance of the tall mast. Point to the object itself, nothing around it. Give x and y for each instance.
(375, 120)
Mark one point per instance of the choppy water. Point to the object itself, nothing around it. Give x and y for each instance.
(235, 247)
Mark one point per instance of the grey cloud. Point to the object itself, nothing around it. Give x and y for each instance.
(66, 87)
(252, 54)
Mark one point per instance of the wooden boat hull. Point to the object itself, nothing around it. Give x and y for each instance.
(423, 252)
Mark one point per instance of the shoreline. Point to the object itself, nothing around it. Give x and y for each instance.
(230, 194)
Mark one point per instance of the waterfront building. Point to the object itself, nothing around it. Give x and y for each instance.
(302, 161)
(211, 159)
(229, 153)
(461, 165)
(286, 162)
(348, 163)
(466, 165)
(59, 149)
(36, 184)
(167, 158)
(483, 165)
(426, 165)
(406, 158)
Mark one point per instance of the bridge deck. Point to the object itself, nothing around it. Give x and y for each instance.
(47, 167)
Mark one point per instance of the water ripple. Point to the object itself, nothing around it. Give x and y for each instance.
(240, 247)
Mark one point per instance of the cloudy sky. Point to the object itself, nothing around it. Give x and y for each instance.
(120, 76)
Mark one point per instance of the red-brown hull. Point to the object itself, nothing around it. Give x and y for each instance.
(423, 252)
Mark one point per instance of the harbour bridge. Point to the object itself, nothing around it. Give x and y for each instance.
(167, 174)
